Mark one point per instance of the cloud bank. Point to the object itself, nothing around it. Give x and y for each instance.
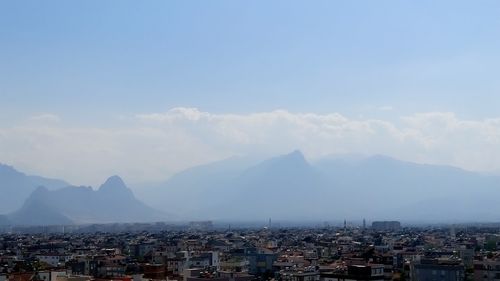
(152, 146)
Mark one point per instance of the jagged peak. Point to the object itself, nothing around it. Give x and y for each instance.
(294, 156)
(296, 153)
(40, 193)
(41, 189)
(5, 168)
(113, 183)
(293, 160)
(114, 180)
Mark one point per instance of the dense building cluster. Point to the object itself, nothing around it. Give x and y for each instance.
(199, 252)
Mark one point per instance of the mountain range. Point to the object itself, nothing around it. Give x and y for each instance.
(340, 186)
(15, 187)
(286, 187)
(112, 202)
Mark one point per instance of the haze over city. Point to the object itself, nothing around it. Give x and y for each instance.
(283, 140)
(222, 101)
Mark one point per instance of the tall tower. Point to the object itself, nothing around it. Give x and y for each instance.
(364, 224)
(269, 224)
(345, 225)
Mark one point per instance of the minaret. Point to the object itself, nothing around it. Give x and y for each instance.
(345, 225)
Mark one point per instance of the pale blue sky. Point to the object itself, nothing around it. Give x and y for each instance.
(147, 88)
(125, 57)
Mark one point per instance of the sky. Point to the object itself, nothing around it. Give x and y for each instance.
(146, 89)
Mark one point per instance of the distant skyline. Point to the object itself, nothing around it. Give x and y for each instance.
(94, 88)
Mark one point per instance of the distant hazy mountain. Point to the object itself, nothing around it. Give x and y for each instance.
(350, 186)
(239, 189)
(38, 210)
(286, 186)
(184, 191)
(386, 187)
(15, 187)
(112, 202)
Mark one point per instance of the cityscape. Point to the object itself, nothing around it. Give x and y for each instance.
(236, 140)
(204, 250)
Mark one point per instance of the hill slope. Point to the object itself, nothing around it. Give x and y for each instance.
(112, 202)
(15, 187)
(378, 187)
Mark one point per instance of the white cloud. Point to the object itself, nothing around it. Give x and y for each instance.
(46, 117)
(152, 146)
(385, 108)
